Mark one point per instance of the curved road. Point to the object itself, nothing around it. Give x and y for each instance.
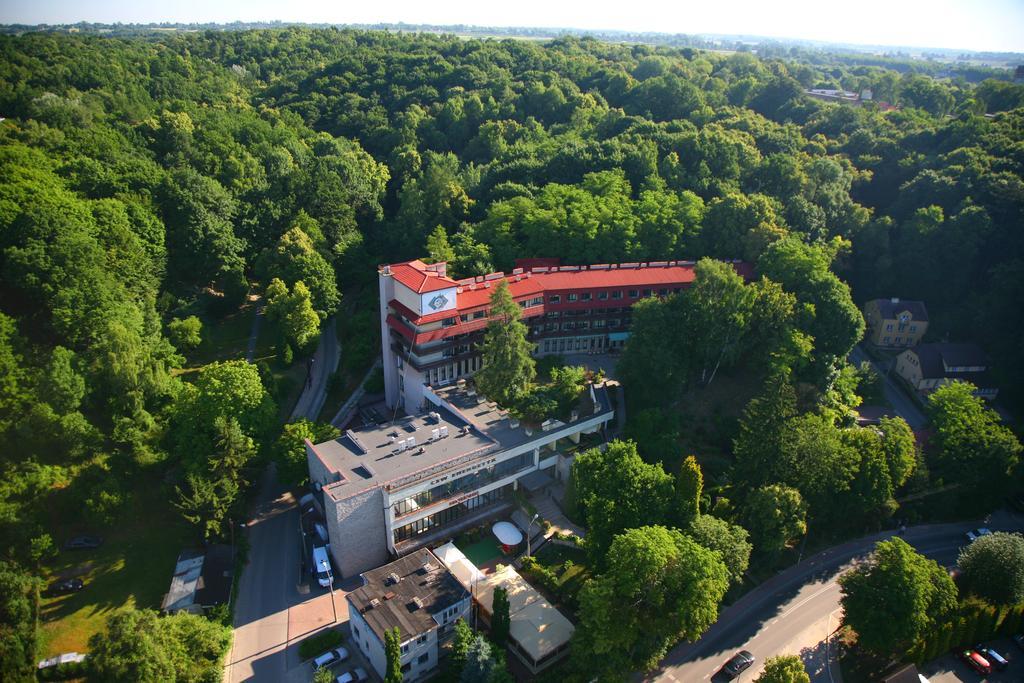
(796, 611)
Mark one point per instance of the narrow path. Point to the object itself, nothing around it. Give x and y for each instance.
(324, 363)
(904, 405)
(257, 321)
(345, 412)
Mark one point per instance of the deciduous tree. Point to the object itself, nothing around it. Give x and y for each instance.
(895, 597)
(784, 669)
(992, 567)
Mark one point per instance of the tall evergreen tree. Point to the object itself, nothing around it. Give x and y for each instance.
(508, 366)
(393, 655)
(689, 488)
(501, 620)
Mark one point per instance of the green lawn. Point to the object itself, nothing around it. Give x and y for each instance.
(483, 551)
(132, 568)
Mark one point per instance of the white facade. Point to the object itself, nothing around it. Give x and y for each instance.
(419, 650)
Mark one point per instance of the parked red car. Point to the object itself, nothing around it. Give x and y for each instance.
(974, 660)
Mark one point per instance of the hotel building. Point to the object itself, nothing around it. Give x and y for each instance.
(390, 489)
(432, 325)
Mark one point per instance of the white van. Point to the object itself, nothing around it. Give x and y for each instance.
(322, 567)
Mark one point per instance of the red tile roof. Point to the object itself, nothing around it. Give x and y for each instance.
(475, 293)
(416, 276)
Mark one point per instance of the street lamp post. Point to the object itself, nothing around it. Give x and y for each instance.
(327, 568)
(528, 527)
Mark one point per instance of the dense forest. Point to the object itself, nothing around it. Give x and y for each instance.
(146, 181)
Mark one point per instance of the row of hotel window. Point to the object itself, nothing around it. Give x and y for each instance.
(452, 514)
(603, 296)
(571, 298)
(469, 482)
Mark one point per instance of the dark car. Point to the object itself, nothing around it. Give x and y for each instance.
(994, 658)
(67, 586)
(83, 543)
(975, 661)
(737, 664)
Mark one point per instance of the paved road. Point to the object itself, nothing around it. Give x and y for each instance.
(796, 611)
(267, 589)
(254, 333)
(325, 362)
(272, 608)
(904, 406)
(344, 413)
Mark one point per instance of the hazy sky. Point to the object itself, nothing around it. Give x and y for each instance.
(996, 25)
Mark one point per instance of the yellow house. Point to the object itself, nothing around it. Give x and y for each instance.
(893, 323)
(929, 366)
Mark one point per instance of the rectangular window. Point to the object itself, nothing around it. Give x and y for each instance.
(647, 293)
(406, 667)
(424, 658)
(567, 326)
(614, 322)
(888, 328)
(598, 324)
(421, 639)
(617, 295)
(634, 293)
(899, 340)
(585, 296)
(913, 328)
(551, 327)
(464, 318)
(885, 340)
(405, 648)
(355, 630)
(602, 296)
(555, 299)
(571, 297)
(479, 314)
(447, 322)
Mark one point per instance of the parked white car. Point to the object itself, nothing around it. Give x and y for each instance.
(331, 657)
(356, 675)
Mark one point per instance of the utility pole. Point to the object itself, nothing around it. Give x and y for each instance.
(528, 527)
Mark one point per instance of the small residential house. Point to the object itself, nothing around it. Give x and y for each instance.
(929, 366)
(895, 323)
(418, 595)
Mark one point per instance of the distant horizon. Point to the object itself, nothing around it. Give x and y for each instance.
(817, 42)
(992, 26)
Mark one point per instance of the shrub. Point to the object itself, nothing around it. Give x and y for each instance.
(320, 642)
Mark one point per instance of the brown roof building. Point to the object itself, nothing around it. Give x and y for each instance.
(419, 596)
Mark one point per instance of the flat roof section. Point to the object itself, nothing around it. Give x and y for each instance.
(373, 456)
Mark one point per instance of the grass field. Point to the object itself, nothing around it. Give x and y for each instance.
(132, 568)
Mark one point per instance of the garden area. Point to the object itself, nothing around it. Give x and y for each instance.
(559, 572)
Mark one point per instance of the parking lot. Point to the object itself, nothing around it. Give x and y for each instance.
(949, 668)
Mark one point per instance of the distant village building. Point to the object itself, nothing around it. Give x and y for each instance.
(895, 323)
(930, 366)
(418, 595)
